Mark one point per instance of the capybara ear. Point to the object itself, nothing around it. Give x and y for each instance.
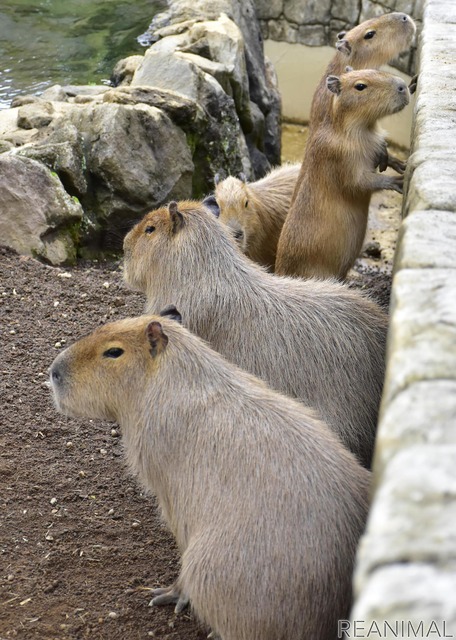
(341, 34)
(242, 177)
(334, 84)
(211, 203)
(343, 46)
(171, 312)
(217, 179)
(157, 339)
(177, 219)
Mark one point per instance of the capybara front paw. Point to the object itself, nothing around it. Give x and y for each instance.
(169, 595)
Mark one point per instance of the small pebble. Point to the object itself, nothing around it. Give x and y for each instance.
(110, 512)
(65, 274)
(136, 524)
(113, 615)
(69, 445)
(114, 433)
(53, 501)
(103, 452)
(12, 331)
(10, 577)
(49, 537)
(58, 345)
(106, 285)
(56, 303)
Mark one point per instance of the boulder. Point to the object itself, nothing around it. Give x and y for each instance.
(185, 17)
(38, 217)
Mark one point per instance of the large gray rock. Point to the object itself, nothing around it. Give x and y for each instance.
(119, 160)
(37, 216)
(184, 15)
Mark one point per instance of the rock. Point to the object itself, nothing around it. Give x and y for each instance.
(214, 132)
(124, 70)
(135, 159)
(55, 93)
(183, 15)
(61, 149)
(38, 217)
(35, 115)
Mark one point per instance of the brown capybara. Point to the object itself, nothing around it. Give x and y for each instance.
(256, 211)
(314, 340)
(325, 228)
(369, 45)
(265, 503)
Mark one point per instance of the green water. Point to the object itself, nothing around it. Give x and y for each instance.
(66, 41)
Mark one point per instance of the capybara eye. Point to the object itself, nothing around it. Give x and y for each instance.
(113, 352)
(246, 203)
(360, 86)
(149, 229)
(369, 35)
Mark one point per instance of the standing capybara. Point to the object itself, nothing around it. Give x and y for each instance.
(256, 211)
(369, 45)
(314, 340)
(265, 503)
(324, 231)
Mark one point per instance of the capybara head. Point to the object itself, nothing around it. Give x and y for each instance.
(234, 201)
(94, 377)
(372, 42)
(179, 238)
(366, 95)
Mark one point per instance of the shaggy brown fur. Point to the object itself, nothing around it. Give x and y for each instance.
(256, 211)
(325, 228)
(265, 503)
(317, 341)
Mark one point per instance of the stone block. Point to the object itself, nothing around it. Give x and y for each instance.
(422, 336)
(414, 510)
(427, 239)
(413, 593)
(432, 184)
(424, 413)
(310, 12)
(269, 9)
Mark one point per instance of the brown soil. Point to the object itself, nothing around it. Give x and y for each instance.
(81, 545)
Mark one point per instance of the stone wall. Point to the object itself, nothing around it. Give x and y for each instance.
(317, 22)
(407, 558)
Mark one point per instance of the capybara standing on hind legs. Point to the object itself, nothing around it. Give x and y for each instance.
(265, 503)
(314, 340)
(256, 211)
(369, 45)
(325, 228)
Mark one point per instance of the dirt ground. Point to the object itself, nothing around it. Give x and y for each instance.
(81, 545)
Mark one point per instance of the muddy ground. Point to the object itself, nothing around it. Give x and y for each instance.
(81, 545)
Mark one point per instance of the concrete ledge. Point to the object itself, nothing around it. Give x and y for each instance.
(406, 568)
(414, 417)
(425, 239)
(413, 515)
(422, 335)
(408, 593)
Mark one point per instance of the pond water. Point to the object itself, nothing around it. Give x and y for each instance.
(45, 42)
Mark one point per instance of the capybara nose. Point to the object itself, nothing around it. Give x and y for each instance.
(56, 374)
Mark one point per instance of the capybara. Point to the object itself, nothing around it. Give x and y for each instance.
(325, 228)
(255, 211)
(369, 45)
(314, 340)
(265, 503)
